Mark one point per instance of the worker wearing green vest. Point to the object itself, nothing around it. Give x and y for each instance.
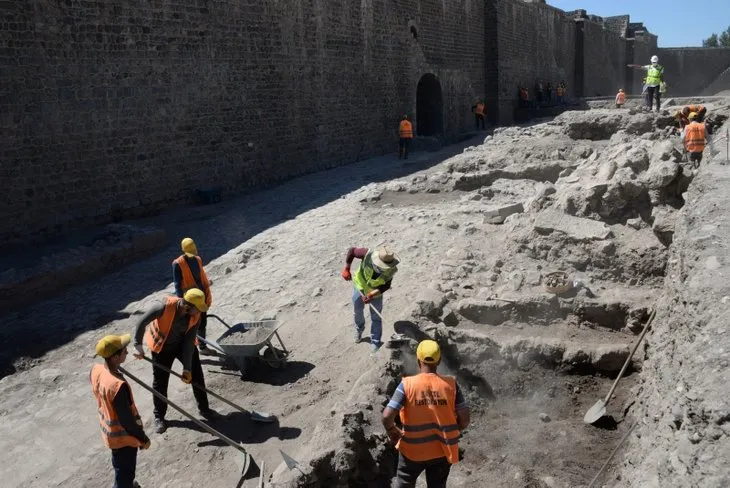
(654, 80)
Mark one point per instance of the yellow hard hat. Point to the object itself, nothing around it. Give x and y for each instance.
(196, 297)
(692, 115)
(112, 344)
(428, 352)
(188, 247)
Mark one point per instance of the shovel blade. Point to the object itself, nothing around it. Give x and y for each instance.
(290, 462)
(595, 412)
(243, 461)
(262, 417)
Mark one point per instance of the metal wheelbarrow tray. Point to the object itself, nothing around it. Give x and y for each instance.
(253, 343)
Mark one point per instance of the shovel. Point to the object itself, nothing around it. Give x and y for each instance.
(598, 410)
(260, 417)
(243, 460)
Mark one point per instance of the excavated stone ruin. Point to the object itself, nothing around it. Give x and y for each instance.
(594, 194)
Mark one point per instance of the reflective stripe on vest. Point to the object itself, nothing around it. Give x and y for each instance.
(188, 280)
(694, 137)
(156, 333)
(654, 75)
(405, 130)
(104, 386)
(363, 277)
(430, 429)
(479, 110)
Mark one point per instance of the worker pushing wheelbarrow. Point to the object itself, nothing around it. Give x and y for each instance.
(246, 343)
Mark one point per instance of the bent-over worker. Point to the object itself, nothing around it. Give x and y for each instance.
(433, 413)
(188, 273)
(121, 426)
(700, 110)
(371, 279)
(171, 335)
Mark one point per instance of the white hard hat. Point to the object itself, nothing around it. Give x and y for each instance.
(655, 59)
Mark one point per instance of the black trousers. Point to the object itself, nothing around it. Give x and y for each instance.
(403, 147)
(653, 92)
(437, 472)
(202, 324)
(124, 461)
(479, 119)
(160, 379)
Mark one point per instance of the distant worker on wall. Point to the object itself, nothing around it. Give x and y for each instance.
(620, 98)
(524, 97)
(433, 413)
(654, 78)
(187, 273)
(549, 93)
(695, 135)
(538, 92)
(405, 134)
(479, 110)
(560, 94)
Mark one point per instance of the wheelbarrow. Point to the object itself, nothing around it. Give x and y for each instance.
(246, 343)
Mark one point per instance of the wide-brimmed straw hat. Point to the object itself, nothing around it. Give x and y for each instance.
(385, 258)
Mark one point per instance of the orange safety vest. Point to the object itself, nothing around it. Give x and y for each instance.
(559, 91)
(620, 98)
(405, 130)
(105, 386)
(156, 333)
(695, 108)
(479, 110)
(430, 429)
(694, 137)
(188, 281)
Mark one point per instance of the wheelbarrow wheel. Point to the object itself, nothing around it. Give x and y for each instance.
(271, 359)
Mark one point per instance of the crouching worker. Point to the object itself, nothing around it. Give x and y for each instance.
(121, 426)
(433, 413)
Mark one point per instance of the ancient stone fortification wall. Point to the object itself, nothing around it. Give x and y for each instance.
(690, 70)
(119, 109)
(534, 41)
(604, 65)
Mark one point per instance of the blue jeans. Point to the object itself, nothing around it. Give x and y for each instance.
(124, 461)
(376, 325)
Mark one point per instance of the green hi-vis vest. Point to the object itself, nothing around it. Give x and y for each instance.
(654, 75)
(363, 277)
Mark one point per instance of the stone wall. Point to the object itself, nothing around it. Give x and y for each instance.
(689, 71)
(535, 41)
(604, 65)
(114, 110)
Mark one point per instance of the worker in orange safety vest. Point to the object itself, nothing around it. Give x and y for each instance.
(694, 136)
(433, 412)
(173, 325)
(480, 111)
(187, 273)
(405, 134)
(121, 426)
(620, 98)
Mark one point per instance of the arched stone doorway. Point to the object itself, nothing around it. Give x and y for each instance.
(429, 106)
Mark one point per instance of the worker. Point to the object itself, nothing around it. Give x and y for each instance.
(681, 119)
(479, 111)
(371, 279)
(700, 110)
(405, 133)
(524, 97)
(560, 93)
(171, 335)
(121, 425)
(694, 136)
(620, 98)
(187, 273)
(654, 78)
(433, 413)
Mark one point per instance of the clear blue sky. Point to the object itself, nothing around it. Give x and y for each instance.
(678, 23)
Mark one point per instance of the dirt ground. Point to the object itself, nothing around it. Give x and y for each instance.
(545, 359)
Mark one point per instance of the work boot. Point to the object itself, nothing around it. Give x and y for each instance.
(375, 346)
(209, 414)
(160, 425)
(358, 336)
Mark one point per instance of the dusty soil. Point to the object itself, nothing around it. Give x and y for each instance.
(599, 194)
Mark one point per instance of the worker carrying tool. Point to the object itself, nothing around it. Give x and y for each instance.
(405, 134)
(700, 110)
(654, 78)
(694, 136)
(188, 273)
(620, 98)
(121, 425)
(479, 110)
(371, 279)
(171, 335)
(433, 413)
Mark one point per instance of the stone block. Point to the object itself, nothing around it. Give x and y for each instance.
(577, 228)
(496, 215)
